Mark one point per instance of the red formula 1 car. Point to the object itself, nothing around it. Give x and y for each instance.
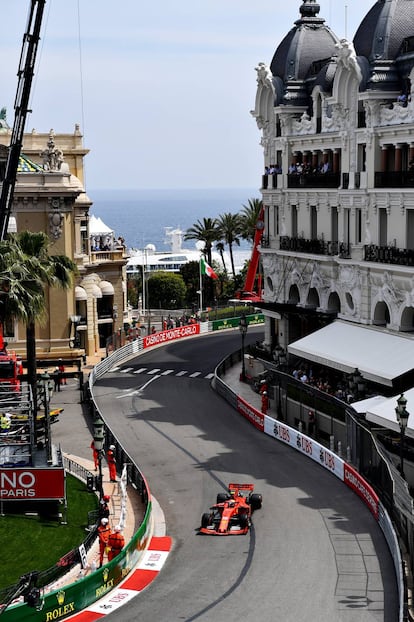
(231, 515)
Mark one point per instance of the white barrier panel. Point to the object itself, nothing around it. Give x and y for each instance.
(305, 445)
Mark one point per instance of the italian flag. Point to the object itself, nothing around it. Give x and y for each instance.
(207, 270)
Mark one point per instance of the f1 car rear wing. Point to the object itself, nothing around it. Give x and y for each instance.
(241, 487)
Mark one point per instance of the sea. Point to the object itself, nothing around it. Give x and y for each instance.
(141, 216)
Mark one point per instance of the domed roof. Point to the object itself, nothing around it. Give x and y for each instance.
(28, 166)
(326, 76)
(384, 28)
(308, 41)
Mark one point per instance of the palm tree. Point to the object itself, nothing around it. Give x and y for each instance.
(229, 228)
(220, 249)
(204, 231)
(26, 269)
(249, 217)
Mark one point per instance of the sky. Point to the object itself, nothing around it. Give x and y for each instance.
(163, 90)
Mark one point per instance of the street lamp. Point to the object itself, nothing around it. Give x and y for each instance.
(402, 418)
(280, 356)
(98, 439)
(243, 330)
(75, 319)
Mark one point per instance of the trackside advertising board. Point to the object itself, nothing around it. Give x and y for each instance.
(170, 335)
(353, 479)
(32, 484)
(252, 414)
(73, 598)
(234, 322)
(305, 445)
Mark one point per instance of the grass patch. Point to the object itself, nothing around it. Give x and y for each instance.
(38, 542)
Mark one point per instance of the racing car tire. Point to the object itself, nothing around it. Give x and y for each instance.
(205, 520)
(222, 497)
(255, 501)
(243, 521)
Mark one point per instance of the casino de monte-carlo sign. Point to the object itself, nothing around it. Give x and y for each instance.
(28, 484)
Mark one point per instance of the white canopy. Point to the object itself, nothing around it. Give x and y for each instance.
(381, 411)
(98, 227)
(80, 293)
(380, 356)
(95, 291)
(106, 288)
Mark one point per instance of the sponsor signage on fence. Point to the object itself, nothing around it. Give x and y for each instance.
(304, 444)
(32, 484)
(354, 480)
(170, 335)
(249, 412)
(234, 322)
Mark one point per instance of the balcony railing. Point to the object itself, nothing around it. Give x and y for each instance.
(399, 179)
(270, 181)
(316, 247)
(113, 255)
(389, 254)
(314, 180)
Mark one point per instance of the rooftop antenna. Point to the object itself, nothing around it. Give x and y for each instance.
(346, 21)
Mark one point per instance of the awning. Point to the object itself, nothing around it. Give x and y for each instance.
(380, 357)
(362, 406)
(80, 293)
(106, 288)
(383, 414)
(96, 291)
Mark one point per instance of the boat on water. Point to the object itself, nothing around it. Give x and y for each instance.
(149, 259)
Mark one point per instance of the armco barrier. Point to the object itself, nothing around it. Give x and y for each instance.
(77, 596)
(328, 460)
(62, 603)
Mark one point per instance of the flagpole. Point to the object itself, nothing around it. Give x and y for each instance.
(201, 286)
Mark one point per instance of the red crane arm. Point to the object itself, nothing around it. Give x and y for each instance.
(254, 260)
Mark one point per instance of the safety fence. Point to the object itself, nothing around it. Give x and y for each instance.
(356, 472)
(69, 560)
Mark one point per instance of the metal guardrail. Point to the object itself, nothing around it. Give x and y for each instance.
(392, 518)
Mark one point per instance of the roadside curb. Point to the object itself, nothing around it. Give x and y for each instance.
(145, 573)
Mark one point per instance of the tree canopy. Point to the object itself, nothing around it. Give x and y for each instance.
(26, 269)
(166, 290)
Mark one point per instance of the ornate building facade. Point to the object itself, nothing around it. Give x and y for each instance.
(50, 196)
(337, 130)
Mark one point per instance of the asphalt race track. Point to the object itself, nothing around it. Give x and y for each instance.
(311, 533)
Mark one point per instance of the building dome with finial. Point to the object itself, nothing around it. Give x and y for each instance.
(383, 30)
(308, 42)
(382, 37)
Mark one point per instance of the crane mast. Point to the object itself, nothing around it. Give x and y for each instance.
(25, 76)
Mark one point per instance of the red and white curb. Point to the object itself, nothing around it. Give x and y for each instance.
(148, 568)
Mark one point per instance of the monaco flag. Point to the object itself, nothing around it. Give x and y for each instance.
(207, 270)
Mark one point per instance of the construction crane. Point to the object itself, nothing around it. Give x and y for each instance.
(25, 76)
(249, 294)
